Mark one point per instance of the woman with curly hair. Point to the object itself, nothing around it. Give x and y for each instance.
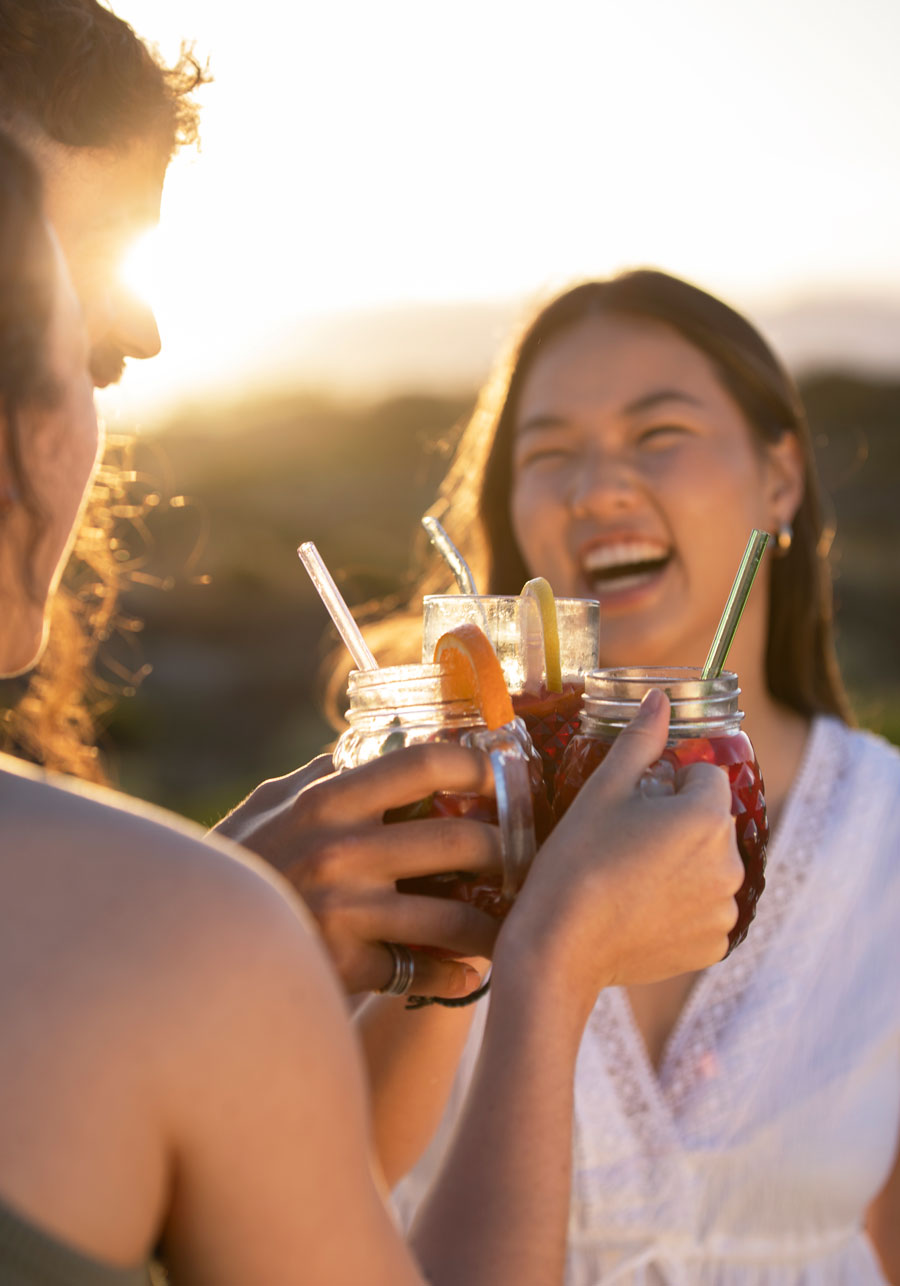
(177, 1068)
(102, 116)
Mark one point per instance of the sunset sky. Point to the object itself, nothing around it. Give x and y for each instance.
(358, 156)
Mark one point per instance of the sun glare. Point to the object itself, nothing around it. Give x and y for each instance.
(140, 268)
(371, 181)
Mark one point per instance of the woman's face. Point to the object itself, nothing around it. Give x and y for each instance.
(636, 481)
(59, 452)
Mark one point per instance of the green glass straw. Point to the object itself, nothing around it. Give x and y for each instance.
(734, 608)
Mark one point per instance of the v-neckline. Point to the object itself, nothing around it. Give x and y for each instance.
(727, 980)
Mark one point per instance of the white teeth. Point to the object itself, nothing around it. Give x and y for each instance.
(620, 583)
(604, 557)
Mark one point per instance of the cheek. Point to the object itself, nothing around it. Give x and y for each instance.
(713, 492)
(536, 515)
(90, 439)
(62, 463)
(517, 504)
(69, 482)
(527, 506)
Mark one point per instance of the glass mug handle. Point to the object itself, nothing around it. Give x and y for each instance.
(658, 779)
(515, 808)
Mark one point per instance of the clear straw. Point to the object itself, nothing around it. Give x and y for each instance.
(337, 608)
(734, 608)
(451, 555)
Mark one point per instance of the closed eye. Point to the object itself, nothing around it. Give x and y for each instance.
(548, 454)
(663, 435)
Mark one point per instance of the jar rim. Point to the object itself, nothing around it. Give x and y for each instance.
(406, 689)
(650, 672)
(612, 696)
(392, 674)
(679, 682)
(502, 598)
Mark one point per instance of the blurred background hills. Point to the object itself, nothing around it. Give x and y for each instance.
(446, 346)
(233, 695)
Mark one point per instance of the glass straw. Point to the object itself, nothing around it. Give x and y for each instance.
(336, 607)
(444, 545)
(737, 600)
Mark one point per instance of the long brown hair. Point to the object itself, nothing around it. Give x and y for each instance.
(72, 71)
(474, 501)
(53, 722)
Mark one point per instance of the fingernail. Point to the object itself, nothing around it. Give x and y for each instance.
(652, 701)
(472, 979)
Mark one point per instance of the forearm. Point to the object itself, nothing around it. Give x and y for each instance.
(590, 914)
(887, 1247)
(498, 1214)
(883, 1227)
(411, 1058)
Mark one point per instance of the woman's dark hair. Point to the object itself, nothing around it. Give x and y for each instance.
(26, 275)
(474, 503)
(53, 722)
(80, 75)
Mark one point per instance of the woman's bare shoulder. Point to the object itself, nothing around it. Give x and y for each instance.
(181, 998)
(97, 855)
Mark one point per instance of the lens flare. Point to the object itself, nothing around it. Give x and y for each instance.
(141, 267)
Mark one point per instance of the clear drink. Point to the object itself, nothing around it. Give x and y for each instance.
(513, 625)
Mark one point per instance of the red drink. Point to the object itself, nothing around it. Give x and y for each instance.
(704, 727)
(748, 804)
(552, 719)
(482, 891)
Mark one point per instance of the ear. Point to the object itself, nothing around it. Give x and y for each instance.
(785, 479)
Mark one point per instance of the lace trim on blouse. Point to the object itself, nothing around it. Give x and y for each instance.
(708, 1067)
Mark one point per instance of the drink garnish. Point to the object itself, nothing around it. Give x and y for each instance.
(539, 590)
(471, 669)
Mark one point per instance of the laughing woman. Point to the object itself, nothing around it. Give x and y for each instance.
(737, 1126)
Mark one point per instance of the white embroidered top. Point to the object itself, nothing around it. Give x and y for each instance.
(751, 1157)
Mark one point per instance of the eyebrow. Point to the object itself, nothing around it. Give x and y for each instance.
(535, 423)
(650, 400)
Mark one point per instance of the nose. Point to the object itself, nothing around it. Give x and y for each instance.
(134, 330)
(603, 484)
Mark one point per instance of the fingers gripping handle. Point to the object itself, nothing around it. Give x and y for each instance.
(515, 816)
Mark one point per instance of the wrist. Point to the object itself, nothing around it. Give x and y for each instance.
(540, 984)
(564, 938)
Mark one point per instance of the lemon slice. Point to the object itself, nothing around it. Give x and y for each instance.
(471, 669)
(539, 589)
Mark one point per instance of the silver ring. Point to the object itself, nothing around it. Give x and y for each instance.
(401, 979)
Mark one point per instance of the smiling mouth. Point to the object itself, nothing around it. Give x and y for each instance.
(622, 567)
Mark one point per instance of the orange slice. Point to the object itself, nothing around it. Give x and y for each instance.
(471, 669)
(539, 589)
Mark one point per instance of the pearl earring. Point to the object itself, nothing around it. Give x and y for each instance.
(784, 539)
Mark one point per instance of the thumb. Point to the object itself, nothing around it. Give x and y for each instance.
(638, 745)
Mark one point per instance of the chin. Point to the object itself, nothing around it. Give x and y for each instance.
(634, 651)
(23, 650)
(631, 645)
